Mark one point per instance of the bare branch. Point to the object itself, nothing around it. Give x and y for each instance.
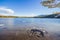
(50, 4)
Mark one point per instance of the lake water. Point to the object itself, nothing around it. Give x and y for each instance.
(52, 25)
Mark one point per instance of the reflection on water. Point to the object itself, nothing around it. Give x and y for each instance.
(6, 23)
(17, 23)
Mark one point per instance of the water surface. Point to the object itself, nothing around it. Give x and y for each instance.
(52, 25)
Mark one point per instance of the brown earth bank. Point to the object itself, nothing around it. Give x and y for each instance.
(23, 35)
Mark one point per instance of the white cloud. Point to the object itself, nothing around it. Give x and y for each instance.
(6, 10)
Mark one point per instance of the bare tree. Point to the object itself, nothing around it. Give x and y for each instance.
(50, 3)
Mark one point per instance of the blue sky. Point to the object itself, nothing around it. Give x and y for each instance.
(25, 7)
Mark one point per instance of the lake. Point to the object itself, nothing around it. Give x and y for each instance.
(52, 25)
(13, 25)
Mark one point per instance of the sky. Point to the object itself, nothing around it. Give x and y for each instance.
(24, 8)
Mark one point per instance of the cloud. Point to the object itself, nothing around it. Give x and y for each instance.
(6, 10)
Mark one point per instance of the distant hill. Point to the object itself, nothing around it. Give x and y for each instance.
(49, 16)
(56, 15)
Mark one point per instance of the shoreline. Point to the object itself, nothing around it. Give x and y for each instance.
(22, 35)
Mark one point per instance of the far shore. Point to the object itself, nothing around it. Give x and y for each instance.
(15, 17)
